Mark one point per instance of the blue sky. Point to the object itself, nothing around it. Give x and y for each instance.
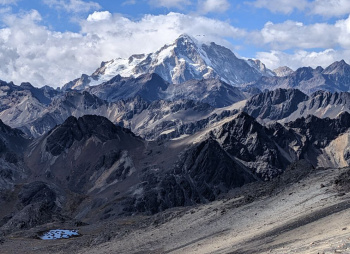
(50, 42)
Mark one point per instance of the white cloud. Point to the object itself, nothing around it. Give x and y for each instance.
(325, 8)
(170, 3)
(7, 2)
(332, 42)
(330, 8)
(121, 36)
(206, 6)
(273, 59)
(74, 6)
(129, 2)
(31, 52)
(283, 6)
(99, 15)
(291, 34)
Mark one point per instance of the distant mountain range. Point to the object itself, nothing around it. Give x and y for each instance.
(335, 78)
(186, 59)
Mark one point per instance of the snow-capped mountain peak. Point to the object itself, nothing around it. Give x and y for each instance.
(184, 59)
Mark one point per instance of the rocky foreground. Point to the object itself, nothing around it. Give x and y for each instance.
(303, 211)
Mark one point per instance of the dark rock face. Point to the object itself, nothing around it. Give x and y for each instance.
(202, 174)
(37, 192)
(8, 131)
(249, 141)
(239, 152)
(38, 203)
(74, 129)
(208, 164)
(275, 105)
(322, 99)
(320, 132)
(290, 104)
(12, 146)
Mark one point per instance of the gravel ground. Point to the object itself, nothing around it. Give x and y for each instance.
(302, 212)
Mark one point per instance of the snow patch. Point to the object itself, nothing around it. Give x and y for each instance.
(55, 234)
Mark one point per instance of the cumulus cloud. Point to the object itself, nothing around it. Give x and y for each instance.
(313, 45)
(99, 15)
(121, 36)
(206, 6)
(170, 3)
(32, 52)
(73, 6)
(291, 34)
(282, 6)
(330, 8)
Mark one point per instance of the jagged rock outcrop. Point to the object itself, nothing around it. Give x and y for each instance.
(320, 132)
(274, 105)
(287, 105)
(249, 141)
(73, 129)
